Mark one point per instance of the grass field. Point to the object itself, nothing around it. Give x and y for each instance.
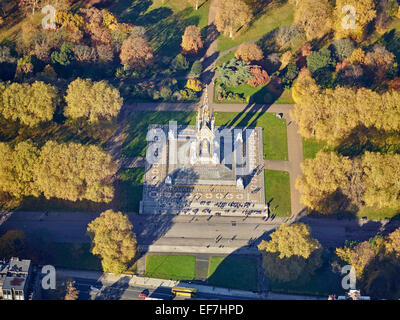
(274, 133)
(170, 267)
(233, 272)
(274, 17)
(135, 144)
(277, 192)
(311, 147)
(323, 283)
(260, 95)
(274, 130)
(130, 189)
(165, 20)
(379, 214)
(72, 256)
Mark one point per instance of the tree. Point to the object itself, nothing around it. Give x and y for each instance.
(194, 84)
(29, 104)
(65, 56)
(92, 101)
(13, 244)
(291, 252)
(322, 177)
(357, 57)
(392, 243)
(17, 169)
(29, 5)
(304, 87)
(380, 61)
(197, 68)
(358, 256)
(180, 63)
(320, 59)
(136, 52)
(113, 241)
(191, 40)
(231, 15)
(71, 292)
(249, 52)
(315, 17)
(75, 172)
(233, 72)
(5, 55)
(84, 53)
(104, 53)
(382, 180)
(260, 77)
(195, 3)
(342, 49)
(364, 13)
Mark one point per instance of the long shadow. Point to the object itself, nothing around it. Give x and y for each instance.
(130, 11)
(115, 291)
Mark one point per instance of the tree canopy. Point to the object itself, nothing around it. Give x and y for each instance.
(231, 15)
(30, 104)
(74, 172)
(291, 252)
(113, 240)
(93, 101)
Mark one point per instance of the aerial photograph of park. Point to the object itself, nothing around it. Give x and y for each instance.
(200, 150)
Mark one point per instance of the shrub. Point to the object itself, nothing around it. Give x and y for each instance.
(64, 56)
(320, 59)
(165, 93)
(260, 77)
(194, 84)
(342, 48)
(289, 75)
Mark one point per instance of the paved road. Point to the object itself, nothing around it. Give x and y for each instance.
(193, 233)
(122, 291)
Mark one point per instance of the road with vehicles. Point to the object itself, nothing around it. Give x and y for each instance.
(195, 233)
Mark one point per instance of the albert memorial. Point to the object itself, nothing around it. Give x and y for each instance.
(204, 169)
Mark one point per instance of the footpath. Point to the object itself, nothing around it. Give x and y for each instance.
(144, 282)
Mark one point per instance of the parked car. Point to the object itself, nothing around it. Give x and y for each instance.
(144, 294)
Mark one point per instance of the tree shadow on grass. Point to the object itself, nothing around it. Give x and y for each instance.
(130, 11)
(167, 30)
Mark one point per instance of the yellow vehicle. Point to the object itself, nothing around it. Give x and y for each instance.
(185, 292)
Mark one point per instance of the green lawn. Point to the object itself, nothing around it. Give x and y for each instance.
(259, 95)
(170, 267)
(379, 214)
(233, 272)
(277, 192)
(165, 20)
(274, 130)
(274, 133)
(323, 283)
(135, 144)
(70, 256)
(311, 147)
(274, 17)
(130, 189)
